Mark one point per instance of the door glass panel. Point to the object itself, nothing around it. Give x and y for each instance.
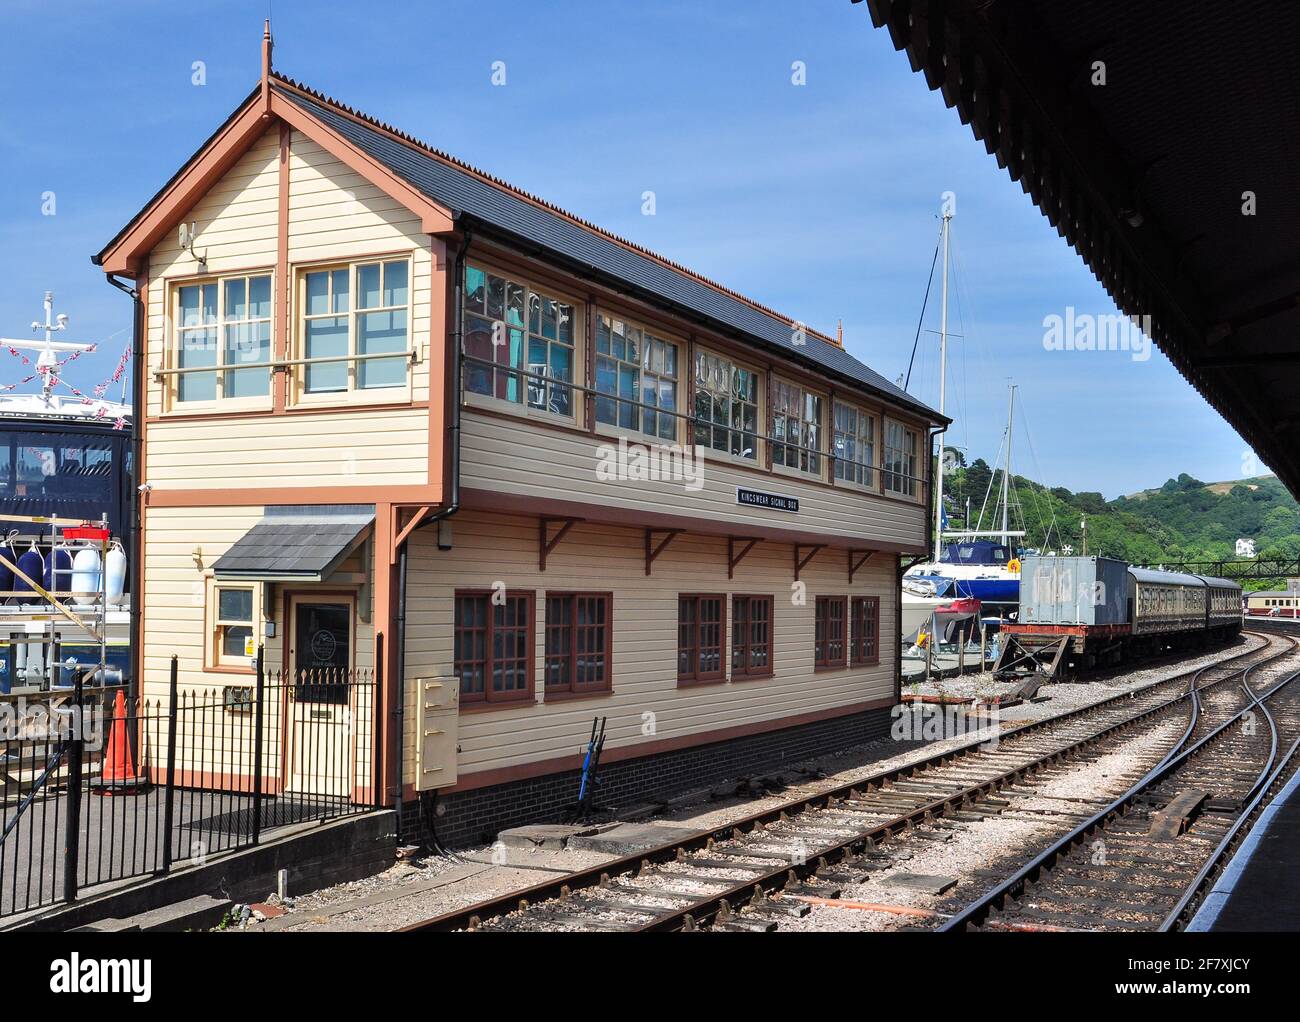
(322, 652)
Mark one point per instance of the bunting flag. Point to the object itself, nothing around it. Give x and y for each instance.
(49, 374)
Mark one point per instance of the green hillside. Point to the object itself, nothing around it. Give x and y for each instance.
(1183, 520)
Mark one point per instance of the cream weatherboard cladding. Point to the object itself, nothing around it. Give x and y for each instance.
(490, 548)
(333, 214)
(562, 465)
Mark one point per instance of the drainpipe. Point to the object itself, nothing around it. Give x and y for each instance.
(137, 466)
(449, 508)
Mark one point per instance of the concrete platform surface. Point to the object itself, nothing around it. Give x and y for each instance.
(627, 838)
(1257, 891)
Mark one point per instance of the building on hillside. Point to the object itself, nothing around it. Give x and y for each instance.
(401, 415)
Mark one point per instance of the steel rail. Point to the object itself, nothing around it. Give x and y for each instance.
(978, 911)
(471, 916)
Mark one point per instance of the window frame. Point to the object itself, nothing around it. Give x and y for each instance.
(870, 469)
(299, 396)
(804, 454)
(821, 641)
(858, 620)
(761, 384)
(596, 395)
(175, 328)
(486, 699)
(573, 689)
(748, 671)
(696, 677)
(214, 657)
(578, 369)
(915, 478)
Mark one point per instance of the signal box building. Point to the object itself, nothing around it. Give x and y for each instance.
(401, 416)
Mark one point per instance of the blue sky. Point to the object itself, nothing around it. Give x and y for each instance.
(820, 200)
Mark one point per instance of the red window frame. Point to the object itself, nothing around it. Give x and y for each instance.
(830, 632)
(745, 616)
(488, 655)
(567, 640)
(695, 637)
(864, 642)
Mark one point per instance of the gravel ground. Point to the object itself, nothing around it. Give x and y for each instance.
(426, 887)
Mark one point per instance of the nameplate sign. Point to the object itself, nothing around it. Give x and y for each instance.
(771, 501)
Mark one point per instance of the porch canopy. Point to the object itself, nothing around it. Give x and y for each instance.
(304, 543)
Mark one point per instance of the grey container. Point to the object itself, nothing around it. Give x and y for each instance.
(1073, 591)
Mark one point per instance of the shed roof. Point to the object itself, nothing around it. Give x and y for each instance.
(303, 544)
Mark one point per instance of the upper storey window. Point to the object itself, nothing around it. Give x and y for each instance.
(353, 318)
(726, 406)
(796, 427)
(519, 343)
(855, 445)
(636, 378)
(225, 325)
(901, 460)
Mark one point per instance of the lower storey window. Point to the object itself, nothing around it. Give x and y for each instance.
(865, 645)
(700, 628)
(830, 644)
(751, 635)
(235, 643)
(578, 639)
(493, 638)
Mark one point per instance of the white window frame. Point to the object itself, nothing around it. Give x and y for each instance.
(577, 367)
(176, 330)
(352, 394)
(760, 409)
(912, 479)
(870, 469)
(649, 338)
(807, 456)
(217, 658)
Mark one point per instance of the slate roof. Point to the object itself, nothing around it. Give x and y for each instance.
(483, 201)
(306, 546)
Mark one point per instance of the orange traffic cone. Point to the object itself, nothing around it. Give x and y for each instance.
(117, 772)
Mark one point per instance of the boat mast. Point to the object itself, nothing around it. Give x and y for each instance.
(1006, 470)
(943, 375)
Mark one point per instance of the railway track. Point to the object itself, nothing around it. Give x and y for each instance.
(757, 872)
(1144, 861)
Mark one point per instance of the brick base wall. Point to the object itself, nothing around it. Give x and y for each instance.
(475, 817)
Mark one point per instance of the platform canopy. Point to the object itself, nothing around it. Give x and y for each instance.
(1162, 141)
(299, 544)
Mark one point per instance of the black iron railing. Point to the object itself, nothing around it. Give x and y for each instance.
(98, 789)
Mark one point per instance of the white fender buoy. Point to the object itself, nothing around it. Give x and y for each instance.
(58, 570)
(115, 573)
(86, 576)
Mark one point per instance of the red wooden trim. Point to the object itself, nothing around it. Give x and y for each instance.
(572, 691)
(800, 564)
(283, 286)
(653, 551)
(470, 703)
(856, 566)
(421, 513)
(822, 607)
(732, 558)
(694, 677)
(545, 545)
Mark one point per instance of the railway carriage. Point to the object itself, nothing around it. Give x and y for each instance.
(1072, 616)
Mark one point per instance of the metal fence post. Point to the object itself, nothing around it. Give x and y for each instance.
(72, 821)
(257, 745)
(169, 792)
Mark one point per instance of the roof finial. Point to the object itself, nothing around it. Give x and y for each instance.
(267, 45)
(839, 334)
